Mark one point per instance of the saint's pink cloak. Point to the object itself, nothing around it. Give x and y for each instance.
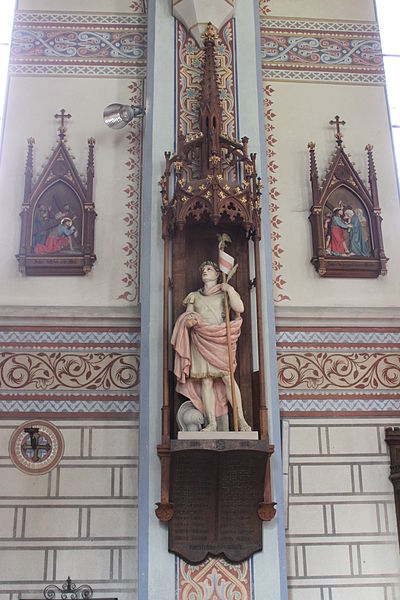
(211, 342)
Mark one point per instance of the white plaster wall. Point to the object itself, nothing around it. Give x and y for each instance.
(79, 520)
(32, 102)
(303, 112)
(316, 9)
(342, 535)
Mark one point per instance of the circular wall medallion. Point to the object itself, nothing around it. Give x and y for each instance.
(36, 447)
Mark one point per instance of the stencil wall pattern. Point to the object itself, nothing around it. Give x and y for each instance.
(190, 60)
(325, 51)
(215, 578)
(72, 370)
(69, 44)
(346, 370)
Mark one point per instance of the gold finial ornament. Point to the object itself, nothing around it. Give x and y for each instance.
(210, 33)
(215, 160)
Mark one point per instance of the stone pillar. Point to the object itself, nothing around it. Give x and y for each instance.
(159, 571)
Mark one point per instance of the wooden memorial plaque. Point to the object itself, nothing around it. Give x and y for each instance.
(216, 489)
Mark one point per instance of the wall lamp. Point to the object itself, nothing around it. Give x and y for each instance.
(117, 116)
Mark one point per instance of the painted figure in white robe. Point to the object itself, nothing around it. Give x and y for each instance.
(201, 352)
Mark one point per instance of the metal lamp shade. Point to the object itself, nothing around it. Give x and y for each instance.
(117, 116)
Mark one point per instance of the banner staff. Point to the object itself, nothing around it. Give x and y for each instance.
(226, 265)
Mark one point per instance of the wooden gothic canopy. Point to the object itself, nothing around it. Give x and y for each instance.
(212, 194)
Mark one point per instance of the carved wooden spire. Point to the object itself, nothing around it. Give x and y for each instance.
(208, 192)
(29, 170)
(210, 107)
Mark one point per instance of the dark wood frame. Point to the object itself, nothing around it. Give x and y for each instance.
(192, 215)
(392, 438)
(342, 174)
(60, 169)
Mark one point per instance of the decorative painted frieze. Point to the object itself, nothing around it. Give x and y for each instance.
(322, 370)
(68, 371)
(214, 578)
(321, 51)
(44, 43)
(74, 370)
(69, 44)
(330, 370)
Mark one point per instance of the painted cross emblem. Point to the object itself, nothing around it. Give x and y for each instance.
(37, 447)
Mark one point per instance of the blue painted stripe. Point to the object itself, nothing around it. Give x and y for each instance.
(271, 341)
(144, 428)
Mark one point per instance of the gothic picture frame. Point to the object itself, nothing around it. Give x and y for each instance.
(58, 213)
(346, 217)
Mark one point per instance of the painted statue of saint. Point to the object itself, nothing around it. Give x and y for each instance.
(201, 352)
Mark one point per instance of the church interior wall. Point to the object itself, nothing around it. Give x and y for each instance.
(78, 520)
(341, 528)
(298, 121)
(341, 531)
(83, 79)
(341, 535)
(70, 345)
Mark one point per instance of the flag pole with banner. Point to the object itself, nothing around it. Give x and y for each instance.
(226, 265)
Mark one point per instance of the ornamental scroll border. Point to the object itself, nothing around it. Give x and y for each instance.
(324, 370)
(68, 371)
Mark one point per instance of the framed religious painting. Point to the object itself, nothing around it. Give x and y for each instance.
(346, 217)
(57, 229)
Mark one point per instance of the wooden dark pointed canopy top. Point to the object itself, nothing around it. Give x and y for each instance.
(211, 195)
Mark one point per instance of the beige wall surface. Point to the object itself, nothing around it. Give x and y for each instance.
(316, 9)
(341, 526)
(77, 61)
(78, 520)
(321, 59)
(303, 112)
